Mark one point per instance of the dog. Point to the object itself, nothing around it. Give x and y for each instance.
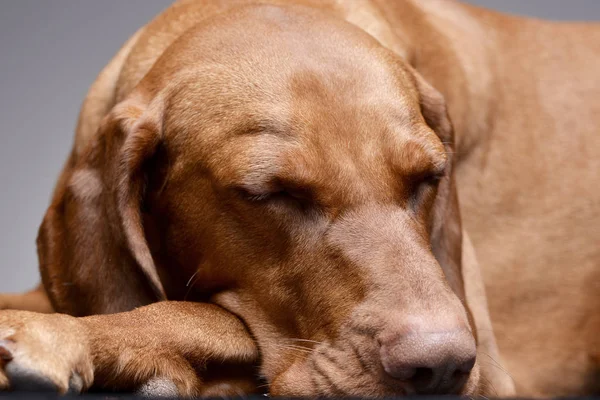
(324, 192)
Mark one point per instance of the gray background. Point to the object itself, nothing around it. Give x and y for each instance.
(50, 52)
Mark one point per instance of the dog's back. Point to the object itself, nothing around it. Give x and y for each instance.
(529, 187)
(531, 201)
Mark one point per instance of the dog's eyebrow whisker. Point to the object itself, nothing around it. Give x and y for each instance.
(192, 277)
(190, 285)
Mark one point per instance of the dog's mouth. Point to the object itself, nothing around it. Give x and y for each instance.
(329, 371)
(349, 369)
(351, 365)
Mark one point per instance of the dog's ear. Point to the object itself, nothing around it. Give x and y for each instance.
(454, 250)
(497, 382)
(93, 254)
(445, 222)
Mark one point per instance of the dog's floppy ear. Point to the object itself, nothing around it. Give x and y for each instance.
(93, 254)
(445, 223)
(454, 250)
(497, 382)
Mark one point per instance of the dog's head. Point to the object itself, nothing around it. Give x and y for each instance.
(297, 173)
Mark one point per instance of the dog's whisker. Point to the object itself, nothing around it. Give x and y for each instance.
(190, 284)
(497, 365)
(499, 368)
(489, 384)
(265, 385)
(498, 335)
(296, 346)
(305, 340)
(302, 350)
(192, 277)
(299, 346)
(292, 348)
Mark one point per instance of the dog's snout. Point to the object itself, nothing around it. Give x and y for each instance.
(430, 362)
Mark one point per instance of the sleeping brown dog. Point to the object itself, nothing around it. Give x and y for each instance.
(287, 174)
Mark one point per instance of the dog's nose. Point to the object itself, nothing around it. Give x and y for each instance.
(431, 362)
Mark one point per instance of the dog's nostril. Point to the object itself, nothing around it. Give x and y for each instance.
(423, 378)
(402, 373)
(459, 374)
(467, 366)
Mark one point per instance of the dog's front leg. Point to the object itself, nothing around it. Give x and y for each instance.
(167, 348)
(33, 300)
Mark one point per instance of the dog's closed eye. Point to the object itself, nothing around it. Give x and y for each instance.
(280, 192)
(423, 191)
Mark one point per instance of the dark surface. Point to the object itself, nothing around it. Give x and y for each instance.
(46, 396)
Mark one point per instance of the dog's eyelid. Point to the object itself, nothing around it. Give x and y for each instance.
(433, 177)
(428, 176)
(298, 191)
(252, 193)
(276, 189)
(423, 186)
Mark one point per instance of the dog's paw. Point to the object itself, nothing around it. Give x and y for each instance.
(43, 352)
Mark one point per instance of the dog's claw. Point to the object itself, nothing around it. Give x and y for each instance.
(75, 384)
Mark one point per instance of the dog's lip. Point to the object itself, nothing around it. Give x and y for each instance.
(298, 380)
(294, 381)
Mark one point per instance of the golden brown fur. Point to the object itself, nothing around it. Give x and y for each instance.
(293, 162)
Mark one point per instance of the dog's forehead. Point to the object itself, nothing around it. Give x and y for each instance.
(267, 52)
(304, 125)
(306, 112)
(308, 91)
(273, 92)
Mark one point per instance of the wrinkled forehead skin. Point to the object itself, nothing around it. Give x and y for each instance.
(267, 70)
(278, 82)
(269, 96)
